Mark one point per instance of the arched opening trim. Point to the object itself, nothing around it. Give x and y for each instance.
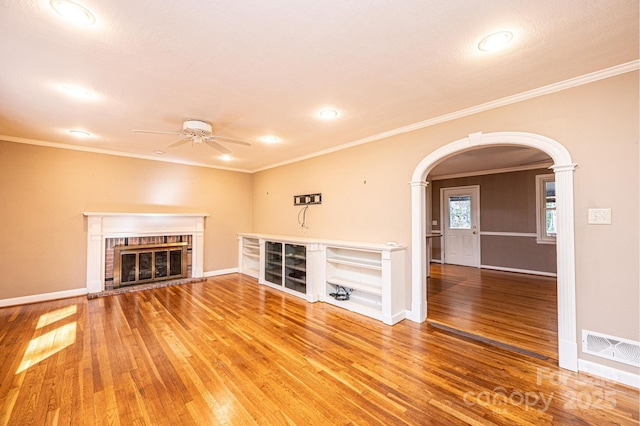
(565, 243)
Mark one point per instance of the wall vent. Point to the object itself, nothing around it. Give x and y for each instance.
(615, 348)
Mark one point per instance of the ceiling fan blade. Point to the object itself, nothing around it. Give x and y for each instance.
(239, 142)
(215, 145)
(154, 131)
(180, 142)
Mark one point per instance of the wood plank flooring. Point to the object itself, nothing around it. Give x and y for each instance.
(515, 309)
(228, 351)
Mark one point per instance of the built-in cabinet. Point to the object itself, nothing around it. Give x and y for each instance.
(368, 279)
(249, 256)
(285, 265)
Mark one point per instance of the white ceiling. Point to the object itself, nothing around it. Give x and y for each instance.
(255, 67)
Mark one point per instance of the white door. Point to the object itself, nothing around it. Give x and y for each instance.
(460, 208)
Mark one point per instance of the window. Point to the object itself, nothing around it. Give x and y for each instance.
(460, 212)
(546, 209)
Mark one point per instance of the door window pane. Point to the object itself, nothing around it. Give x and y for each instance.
(460, 212)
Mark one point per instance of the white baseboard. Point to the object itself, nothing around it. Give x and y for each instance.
(436, 261)
(520, 271)
(220, 272)
(43, 297)
(609, 373)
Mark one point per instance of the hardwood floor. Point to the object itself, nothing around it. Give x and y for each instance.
(228, 351)
(515, 309)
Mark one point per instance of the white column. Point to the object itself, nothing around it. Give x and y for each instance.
(418, 250)
(315, 271)
(565, 250)
(197, 249)
(95, 250)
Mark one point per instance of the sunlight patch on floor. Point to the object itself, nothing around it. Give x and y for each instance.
(51, 317)
(42, 347)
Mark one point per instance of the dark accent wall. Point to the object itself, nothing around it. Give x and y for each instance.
(507, 204)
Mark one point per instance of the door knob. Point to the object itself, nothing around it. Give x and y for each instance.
(474, 232)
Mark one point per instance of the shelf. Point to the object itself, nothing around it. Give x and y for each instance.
(252, 255)
(301, 267)
(298, 280)
(365, 288)
(352, 261)
(296, 256)
(370, 308)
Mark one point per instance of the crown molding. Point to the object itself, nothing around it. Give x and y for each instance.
(110, 152)
(541, 91)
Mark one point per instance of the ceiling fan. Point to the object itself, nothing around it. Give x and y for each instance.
(198, 131)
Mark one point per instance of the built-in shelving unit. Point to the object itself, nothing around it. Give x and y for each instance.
(371, 275)
(372, 279)
(249, 258)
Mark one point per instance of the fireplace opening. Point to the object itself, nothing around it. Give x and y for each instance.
(147, 263)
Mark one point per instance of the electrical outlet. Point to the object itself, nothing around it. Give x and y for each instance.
(600, 216)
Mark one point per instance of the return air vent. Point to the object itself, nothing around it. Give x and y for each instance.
(615, 348)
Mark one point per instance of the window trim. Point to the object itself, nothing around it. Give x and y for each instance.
(541, 222)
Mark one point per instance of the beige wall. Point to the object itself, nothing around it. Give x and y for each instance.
(507, 204)
(598, 123)
(45, 190)
(366, 197)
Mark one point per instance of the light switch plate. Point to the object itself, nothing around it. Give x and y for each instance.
(600, 216)
(434, 223)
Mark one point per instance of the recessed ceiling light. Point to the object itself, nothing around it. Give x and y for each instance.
(80, 133)
(73, 11)
(226, 157)
(270, 139)
(159, 152)
(495, 41)
(78, 92)
(328, 114)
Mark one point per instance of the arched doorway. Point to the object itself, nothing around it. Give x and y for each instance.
(565, 246)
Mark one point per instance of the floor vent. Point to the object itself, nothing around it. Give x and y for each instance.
(615, 348)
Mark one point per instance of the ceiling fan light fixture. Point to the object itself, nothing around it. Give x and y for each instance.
(73, 11)
(197, 127)
(495, 41)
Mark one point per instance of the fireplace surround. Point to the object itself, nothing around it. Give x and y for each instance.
(103, 226)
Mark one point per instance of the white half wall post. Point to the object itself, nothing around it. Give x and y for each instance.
(565, 252)
(419, 250)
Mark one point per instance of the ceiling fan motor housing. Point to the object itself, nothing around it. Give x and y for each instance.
(197, 127)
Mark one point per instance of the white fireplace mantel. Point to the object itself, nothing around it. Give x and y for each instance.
(103, 225)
